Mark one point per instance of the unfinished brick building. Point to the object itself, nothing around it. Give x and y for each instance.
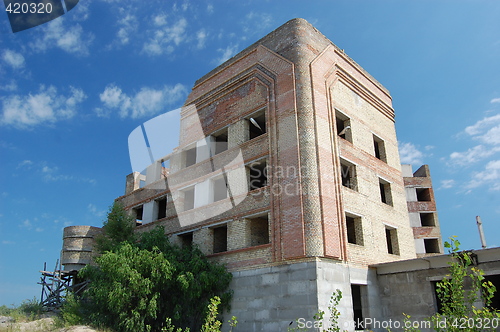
(316, 195)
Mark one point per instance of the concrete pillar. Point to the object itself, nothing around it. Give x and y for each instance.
(153, 172)
(202, 194)
(148, 212)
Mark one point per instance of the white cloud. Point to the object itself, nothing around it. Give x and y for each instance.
(210, 8)
(446, 184)
(256, 23)
(495, 100)
(11, 86)
(490, 176)
(70, 39)
(409, 154)
(93, 209)
(201, 36)
(146, 102)
(227, 53)
(25, 163)
(486, 130)
(472, 155)
(128, 25)
(166, 38)
(13, 59)
(46, 106)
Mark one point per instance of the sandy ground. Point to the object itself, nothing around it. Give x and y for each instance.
(7, 324)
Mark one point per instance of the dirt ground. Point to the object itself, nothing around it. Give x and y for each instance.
(7, 324)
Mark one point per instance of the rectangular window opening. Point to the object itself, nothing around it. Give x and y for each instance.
(354, 229)
(220, 141)
(423, 194)
(379, 148)
(357, 306)
(190, 157)
(392, 241)
(343, 124)
(259, 230)
(427, 219)
(220, 189)
(257, 174)
(220, 239)
(138, 214)
(385, 192)
(162, 208)
(495, 280)
(257, 124)
(431, 246)
(348, 173)
(188, 198)
(186, 239)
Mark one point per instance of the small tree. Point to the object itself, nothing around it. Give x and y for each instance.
(118, 228)
(458, 312)
(144, 283)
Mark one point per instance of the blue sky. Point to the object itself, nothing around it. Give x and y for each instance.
(72, 90)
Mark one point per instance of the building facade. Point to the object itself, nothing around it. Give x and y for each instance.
(287, 170)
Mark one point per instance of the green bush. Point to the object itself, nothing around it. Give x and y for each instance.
(140, 282)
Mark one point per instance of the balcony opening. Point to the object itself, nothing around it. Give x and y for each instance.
(188, 199)
(343, 124)
(423, 194)
(431, 246)
(220, 141)
(138, 214)
(190, 156)
(257, 174)
(186, 239)
(220, 189)
(259, 230)
(257, 125)
(220, 239)
(161, 205)
(427, 219)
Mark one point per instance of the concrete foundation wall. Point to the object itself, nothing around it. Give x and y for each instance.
(273, 298)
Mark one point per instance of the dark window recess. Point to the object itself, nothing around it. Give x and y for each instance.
(495, 280)
(379, 148)
(220, 189)
(220, 239)
(259, 230)
(357, 307)
(188, 199)
(427, 219)
(221, 142)
(162, 208)
(348, 173)
(257, 125)
(383, 197)
(385, 192)
(138, 213)
(440, 300)
(343, 124)
(190, 155)
(186, 239)
(392, 241)
(351, 230)
(423, 194)
(431, 246)
(258, 175)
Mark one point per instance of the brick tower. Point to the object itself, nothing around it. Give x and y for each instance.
(324, 195)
